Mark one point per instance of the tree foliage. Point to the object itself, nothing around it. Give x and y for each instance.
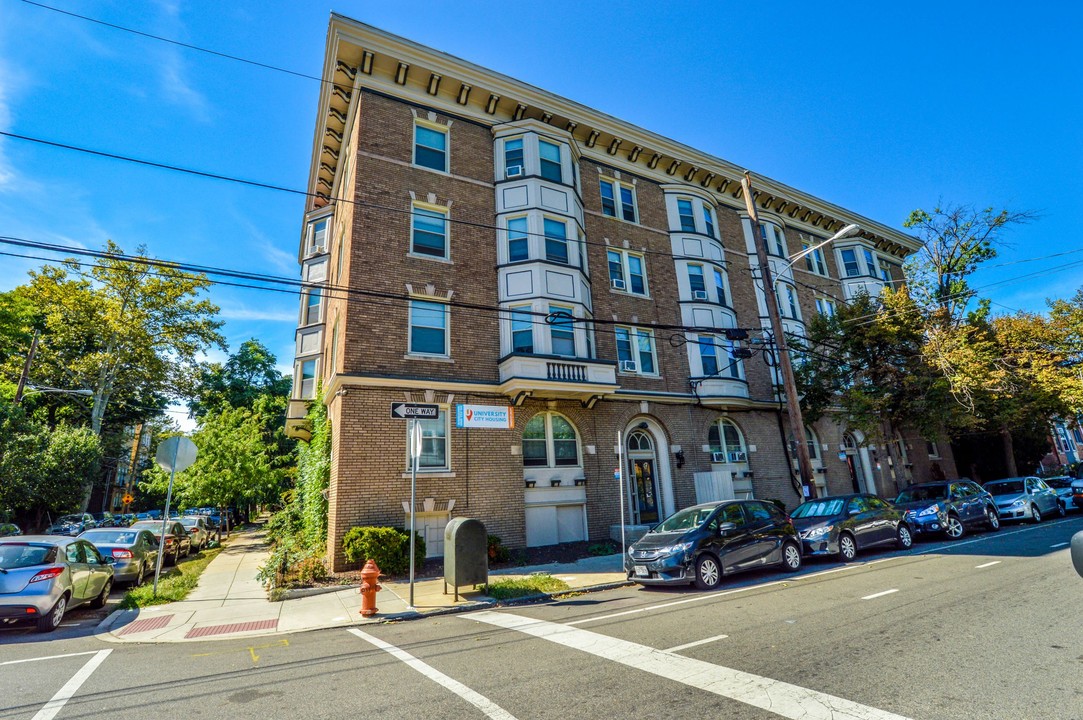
(247, 375)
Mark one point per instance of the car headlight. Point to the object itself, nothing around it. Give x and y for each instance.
(676, 548)
(931, 510)
(1019, 503)
(818, 531)
(631, 550)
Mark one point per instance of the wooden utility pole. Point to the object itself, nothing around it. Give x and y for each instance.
(785, 368)
(25, 377)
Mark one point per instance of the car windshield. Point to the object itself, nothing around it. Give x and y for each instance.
(1005, 487)
(20, 555)
(687, 519)
(111, 537)
(922, 493)
(152, 525)
(69, 519)
(1059, 482)
(818, 508)
(189, 522)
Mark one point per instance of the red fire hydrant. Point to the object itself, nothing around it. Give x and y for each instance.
(370, 574)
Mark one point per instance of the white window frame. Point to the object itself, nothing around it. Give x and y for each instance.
(315, 248)
(720, 274)
(410, 328)
(568, 241)
(442, 419)
(518, 310)
(299, 379)
(550, 448)
(619, 206)
(692, 205)
(437, 210)
(702, 275)
(525, 237)
(711, 341)
(723, 446)
(635, 336)
(436, 128)
(626, 271)
(563, 327)
(307, 306)
(774, 239)
(825, 307)
(521, 139)
(815, 262)
(543, 160)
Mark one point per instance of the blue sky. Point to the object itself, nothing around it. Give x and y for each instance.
(878, 109)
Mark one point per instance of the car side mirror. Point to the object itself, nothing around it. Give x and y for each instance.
(726, 528)
(110, 560)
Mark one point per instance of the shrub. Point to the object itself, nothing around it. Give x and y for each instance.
(291, 564)
(602, 548)
(388, 547)
(497, 551)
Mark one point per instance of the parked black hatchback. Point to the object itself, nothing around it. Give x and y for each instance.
(702, 543)
(843, 524)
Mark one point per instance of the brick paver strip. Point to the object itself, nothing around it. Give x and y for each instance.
(232, 628)
(146, 624)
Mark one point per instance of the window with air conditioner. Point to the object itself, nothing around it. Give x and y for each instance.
(699, 294)
(627, 271)
(628, 366)
(718, 457)
(635, 350)
(726, 442)
(617, 284)
(514, 171)
(696, 283)
(513, 156)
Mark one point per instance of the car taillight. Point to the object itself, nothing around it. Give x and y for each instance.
(47, 574)
(118, 553)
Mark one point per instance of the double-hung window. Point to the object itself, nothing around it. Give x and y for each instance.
(318, 241)
(612, 192)
(428, 328)
(635, 350)
(708, 221)
(308, 379)
(312, 306)
(626, 272)
(814, 261)
(696, 283)
(429, 233)
(550, 441)
(708, 355)
(870, 263)
(518, 242)
(787, 301)
(720, 286)
(562, 331)
(773, 239)
(556, 241)
(434, 456)
(825, 307)
(513, 158)
(430, 147)
(686, 215)
(522, 329)
(849, 262)
(549, 158)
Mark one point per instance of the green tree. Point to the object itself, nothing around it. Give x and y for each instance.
(247, 375)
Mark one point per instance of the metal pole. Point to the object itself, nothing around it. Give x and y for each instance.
(789, 384)
(165, 519)
(620, 480)
(415, 451)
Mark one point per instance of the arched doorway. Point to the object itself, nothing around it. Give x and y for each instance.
(643, 473)
(853, 461)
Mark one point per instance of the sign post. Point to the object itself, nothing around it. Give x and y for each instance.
(620, 480)
(175, 453)
(415, 457)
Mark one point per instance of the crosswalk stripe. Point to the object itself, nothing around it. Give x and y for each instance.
(781, 698)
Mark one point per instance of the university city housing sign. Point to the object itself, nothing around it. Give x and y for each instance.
(484, 416)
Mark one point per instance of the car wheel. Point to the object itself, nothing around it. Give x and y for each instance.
(139, 575)
(1036, 514)
(903, 538)
(1061, 512)
(708, 572)
(99, 602)
(953, 528)
(992, 519)
(847, 547)
(52, 621)
(791, 557)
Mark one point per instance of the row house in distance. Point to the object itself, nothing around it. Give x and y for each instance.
(472, 239)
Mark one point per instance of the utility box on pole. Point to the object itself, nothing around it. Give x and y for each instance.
(466, 554)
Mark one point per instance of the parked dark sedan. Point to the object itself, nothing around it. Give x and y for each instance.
(950, 506)
(844, 524)
(72, 524)
(177, 542)
(700, 544)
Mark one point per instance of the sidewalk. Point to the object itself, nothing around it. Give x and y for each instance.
(230, 603)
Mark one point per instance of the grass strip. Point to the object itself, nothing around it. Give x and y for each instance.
(174, 584)
(526, 586)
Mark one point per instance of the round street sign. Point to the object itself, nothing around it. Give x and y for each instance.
(176, 454)
(128, 499)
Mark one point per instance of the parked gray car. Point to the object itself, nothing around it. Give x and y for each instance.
(1062, 486)
(72, 524)
(134, 551)
(42, 576)
(1024, 498)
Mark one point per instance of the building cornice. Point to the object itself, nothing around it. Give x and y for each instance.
(403, 68)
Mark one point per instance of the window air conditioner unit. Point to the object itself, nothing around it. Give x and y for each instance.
(699, 294)
(737, 457)
(513, 171)
(718, 457)
(617, 284)
(628, 366)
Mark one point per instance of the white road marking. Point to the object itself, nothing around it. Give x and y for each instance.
(479, 701)
(694, 644)
(880, 594)
(778, 697)
(51, 708)
(1060, 545)
(988, 564)
(47, 657)
(660, 606)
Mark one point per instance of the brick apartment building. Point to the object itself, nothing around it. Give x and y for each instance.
(476, 240)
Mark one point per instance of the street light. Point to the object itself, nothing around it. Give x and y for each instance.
(41, 389)
(848, 231)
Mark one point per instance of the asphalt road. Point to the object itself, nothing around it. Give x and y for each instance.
(985, 627)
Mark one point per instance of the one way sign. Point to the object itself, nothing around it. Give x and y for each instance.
(404, 411)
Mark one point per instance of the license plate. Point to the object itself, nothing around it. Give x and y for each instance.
(641, 571)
